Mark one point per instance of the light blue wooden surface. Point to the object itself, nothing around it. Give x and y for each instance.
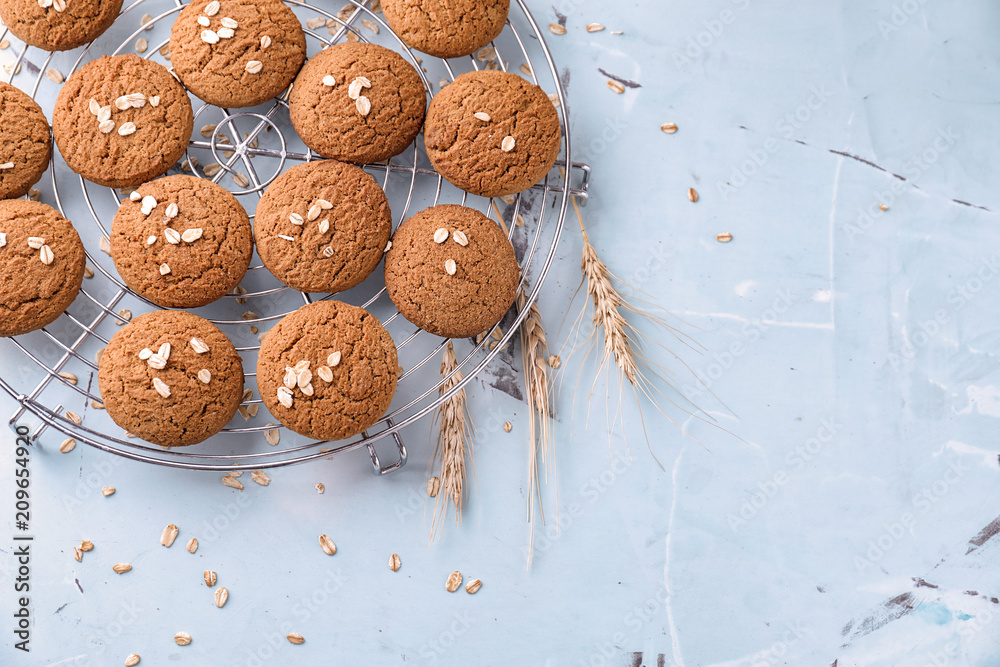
(849, 522)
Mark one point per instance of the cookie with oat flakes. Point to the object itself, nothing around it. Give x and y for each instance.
(357, 103)
(170, 377)
(237, 53)
(451, 271)
(327, 371)
(120, 121)
(181, 241)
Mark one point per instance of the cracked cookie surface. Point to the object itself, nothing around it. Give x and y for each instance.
(492, 133)
(338, 397)
(79, 22)
(146, 138)
(219, 61)
(34, 293)
(171, 406)
(371, 120)
(446, 28)
(25, 142)
(193, 227)
(451, 271)
(322, 226)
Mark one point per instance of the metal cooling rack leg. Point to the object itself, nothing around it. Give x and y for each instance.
(59, 366)
(379, 469)
(580, 171)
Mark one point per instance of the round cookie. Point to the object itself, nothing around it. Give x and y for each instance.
(120, 141)
(492, 133)
(164, 398)
(328, 370)
(357, 103)
(237, 53)
(41, 265)
(25, 142)
(322, 226)
(201, 237)
(451, 271)
(60, 25)
(446, 28)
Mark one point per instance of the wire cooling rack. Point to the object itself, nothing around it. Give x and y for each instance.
(244, 151)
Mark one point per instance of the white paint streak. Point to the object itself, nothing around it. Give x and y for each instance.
(745, 287)
(989, 457)
(984, 400)
(678, 658)
(769, 323)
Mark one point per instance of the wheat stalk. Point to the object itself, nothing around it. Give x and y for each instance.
(623, 343)
(454, 442)
(534, 350)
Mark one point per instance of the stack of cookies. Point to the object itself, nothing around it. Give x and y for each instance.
(328, 370)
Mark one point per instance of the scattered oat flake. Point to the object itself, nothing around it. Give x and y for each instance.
(325, 543)
(182, 638)
(724, 237)
(77, 554)
(294, 638)
(240, 179)
(168, 535)
(883, 207)
(210, 577)
(554, 361)
(320, 487)
(394, 563)
(315, 22)
(260, 477)
(221, 595)
(232, 482)
(507, 426)
(4, 44)
(145, 21)
(433, 487)
(125, 314)
(192, 545)
(54, 75)
(669, 128)
(692, 194)
(121, 568)
(69, 377)
(86, 545)
(108, 491)
(473, 586)
(371, 25)
(132, 660)
(73, 417)
(67, 445)
(141, 45)
(557, 29)
(526, 70)
(105, 245)
(272, 436)
(615, 86)
(453, 582)
(594, 27)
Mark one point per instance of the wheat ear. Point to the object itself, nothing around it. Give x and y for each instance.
(534, 350)
(454, 443)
